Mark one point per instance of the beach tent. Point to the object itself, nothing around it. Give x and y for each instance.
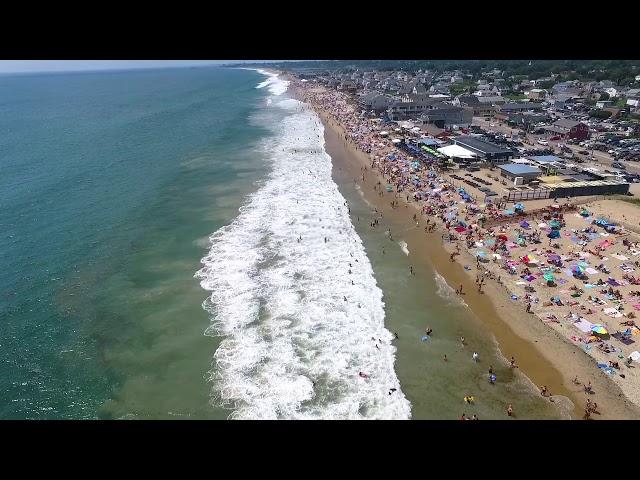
(635, 356)
(554, 224)
(554, 234)
(584, 212)
(548, 276)
(518, 207)
(529, 259)
(524, 224)
(508, 212)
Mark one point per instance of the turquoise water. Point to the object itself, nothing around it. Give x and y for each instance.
(111, 184)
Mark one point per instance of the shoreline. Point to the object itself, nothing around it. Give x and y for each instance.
(544, 357)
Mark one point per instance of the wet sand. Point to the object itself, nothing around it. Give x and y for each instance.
(541, 354)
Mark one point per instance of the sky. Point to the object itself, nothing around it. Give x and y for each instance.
(23, 66)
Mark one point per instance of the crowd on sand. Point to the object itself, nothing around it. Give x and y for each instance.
(577, 272)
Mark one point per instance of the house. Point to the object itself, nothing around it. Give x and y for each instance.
(566, 128)
(487, 151)
(512, 171)
(633, 98)
(613, 91)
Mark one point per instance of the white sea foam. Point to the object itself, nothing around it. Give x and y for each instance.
(276, 86)
(292, 345)
(403, 247)
(443, 290)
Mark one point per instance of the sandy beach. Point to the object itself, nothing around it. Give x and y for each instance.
(543, 349)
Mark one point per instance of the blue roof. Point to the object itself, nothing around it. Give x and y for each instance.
(517, 169)
(545, 159)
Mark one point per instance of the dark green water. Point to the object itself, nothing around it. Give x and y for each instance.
(111, 184)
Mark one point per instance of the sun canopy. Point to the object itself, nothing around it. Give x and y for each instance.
(456, 151)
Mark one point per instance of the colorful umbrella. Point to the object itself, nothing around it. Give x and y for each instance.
(549, 277)
(599, 329)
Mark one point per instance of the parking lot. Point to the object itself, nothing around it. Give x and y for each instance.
(542, 142)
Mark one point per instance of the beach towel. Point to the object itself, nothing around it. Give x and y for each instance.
(612, 312)
(583, 325)
(591, 271)
(620, 256)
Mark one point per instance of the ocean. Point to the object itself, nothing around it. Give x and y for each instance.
(176, 245)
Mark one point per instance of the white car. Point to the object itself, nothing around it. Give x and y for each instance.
(543, 142)
(492, 124)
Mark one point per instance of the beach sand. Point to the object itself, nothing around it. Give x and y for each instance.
(542, 354)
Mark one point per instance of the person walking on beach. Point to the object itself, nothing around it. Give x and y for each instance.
(510, 410)
(475, 357)
(462, 341)
(411, 269)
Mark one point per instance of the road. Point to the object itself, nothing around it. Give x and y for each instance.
(595, 156)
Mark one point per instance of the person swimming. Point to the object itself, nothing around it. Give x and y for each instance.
(475, 356)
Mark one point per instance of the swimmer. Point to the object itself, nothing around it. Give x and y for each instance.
(475, 356)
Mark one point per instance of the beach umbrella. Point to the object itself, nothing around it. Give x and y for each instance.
(521, 241)
(481, 254)
(524, 224)
(554, 234)
(389, 188)
(599, 329)
(577, 270)
(549, 277)
(518, 206)
(503, 237)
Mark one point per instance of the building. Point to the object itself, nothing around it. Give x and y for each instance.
(519, 107)
(566, 128)
(443, 115)
(603, 104)
(513, 171)
(536, 93)
(409, 107)
(486, 151)
(375, 102)
(548, 163)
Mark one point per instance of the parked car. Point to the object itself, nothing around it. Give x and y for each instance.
(618, 165)
(583, 152)
(543, 142)
(553, 139)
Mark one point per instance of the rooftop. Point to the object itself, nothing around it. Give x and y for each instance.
(545, 159)
(519, 169)
(480, 145)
